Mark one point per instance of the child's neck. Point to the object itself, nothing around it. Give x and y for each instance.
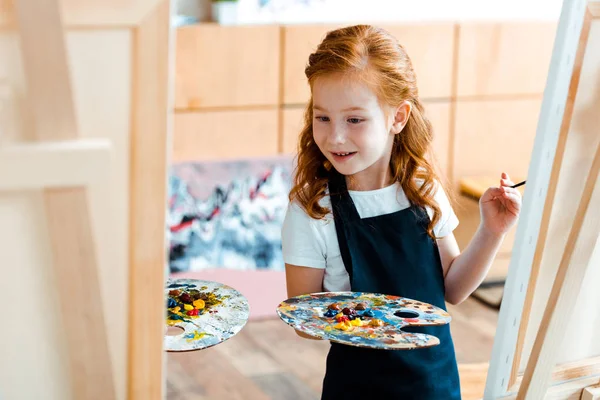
(367, 180)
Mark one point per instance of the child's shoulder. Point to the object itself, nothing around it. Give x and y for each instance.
(297, 212)
(304, 238)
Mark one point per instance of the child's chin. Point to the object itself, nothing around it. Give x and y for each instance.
(346, 170)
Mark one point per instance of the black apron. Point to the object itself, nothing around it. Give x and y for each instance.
(390, 254)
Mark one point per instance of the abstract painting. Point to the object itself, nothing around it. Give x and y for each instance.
(228, 214)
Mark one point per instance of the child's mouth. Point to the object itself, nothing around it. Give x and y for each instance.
(343, 156)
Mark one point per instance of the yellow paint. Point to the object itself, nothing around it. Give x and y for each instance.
(178, 312)
(199, 304)
(197, 336)
(376, 322)
(188, 307)
(172, 322)
(343, 326)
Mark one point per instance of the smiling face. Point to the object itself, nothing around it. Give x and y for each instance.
(353, 130)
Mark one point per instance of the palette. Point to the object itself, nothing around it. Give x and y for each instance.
(361, 319)
(208, 312)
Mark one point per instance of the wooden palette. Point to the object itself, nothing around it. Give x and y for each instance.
(208, 312)
(381, 317)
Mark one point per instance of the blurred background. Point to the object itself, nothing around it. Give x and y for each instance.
(240, 94)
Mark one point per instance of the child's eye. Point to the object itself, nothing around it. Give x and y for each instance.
(355, 120)
(322, 119)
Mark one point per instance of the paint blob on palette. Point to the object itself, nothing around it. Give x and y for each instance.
(208, 312)
(363, 319)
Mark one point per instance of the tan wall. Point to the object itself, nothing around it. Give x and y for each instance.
(482, 84)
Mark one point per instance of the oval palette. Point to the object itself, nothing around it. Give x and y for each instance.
(363, 319)
(208, 312)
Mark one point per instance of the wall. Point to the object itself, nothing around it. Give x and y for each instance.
(390, 11)
(246, 83)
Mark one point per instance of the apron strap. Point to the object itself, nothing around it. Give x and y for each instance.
(344, 211)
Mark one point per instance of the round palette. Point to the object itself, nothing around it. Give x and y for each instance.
(363, 319)
(208, 312)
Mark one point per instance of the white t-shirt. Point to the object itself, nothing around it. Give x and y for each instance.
(309, 242)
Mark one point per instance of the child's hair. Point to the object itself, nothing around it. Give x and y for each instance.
(373, 55)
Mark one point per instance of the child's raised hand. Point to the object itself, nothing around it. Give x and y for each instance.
(500, 207)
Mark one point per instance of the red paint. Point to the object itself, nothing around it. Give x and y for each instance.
(183, 225)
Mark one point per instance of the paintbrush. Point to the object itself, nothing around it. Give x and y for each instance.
(518, 184)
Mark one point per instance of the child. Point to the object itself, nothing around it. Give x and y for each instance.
(368, 213)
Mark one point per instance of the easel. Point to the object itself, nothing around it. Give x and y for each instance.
(558, 233)
(95, 239)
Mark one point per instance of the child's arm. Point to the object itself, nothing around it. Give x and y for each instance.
(464, 272)
(303, 280)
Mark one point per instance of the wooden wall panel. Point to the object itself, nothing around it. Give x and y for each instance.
(298, 43)
(430, 47)
(219, 135)
(439, 116)
(504, 58)
(226, 66)
(494, 136)
(293, 119)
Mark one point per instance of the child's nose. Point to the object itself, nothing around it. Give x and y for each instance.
(337, 135)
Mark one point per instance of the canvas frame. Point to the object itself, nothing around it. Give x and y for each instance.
(542, 377)
(62, 163)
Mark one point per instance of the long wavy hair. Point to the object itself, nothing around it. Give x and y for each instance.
(371, 53)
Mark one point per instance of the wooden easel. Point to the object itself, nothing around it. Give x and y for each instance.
(558, 233)
(103, 261)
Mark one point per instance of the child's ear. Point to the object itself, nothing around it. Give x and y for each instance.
(402, 113)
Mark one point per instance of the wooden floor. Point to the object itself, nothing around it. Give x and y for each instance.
(267, 360)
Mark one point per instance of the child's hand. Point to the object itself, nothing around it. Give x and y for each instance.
(500, 207)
